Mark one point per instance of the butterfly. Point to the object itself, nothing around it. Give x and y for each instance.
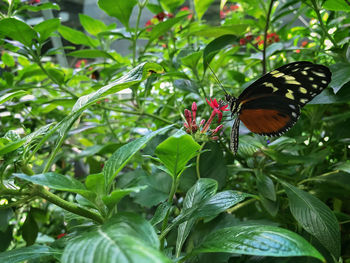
(271, 105)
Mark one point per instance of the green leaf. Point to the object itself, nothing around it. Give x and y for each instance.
(171, 5)
(160, 214)
(31, 253)
(120, 157)
(113, 198)
(17, 30)
(30, 229)
(126, 238)
(215, 46)
(5, 216)
(119, 9)
(336, 5)
(155, 9)
(340, 75)
(46, 28)
(265, 186)
(209, 207)
(8, 60)
(90, 53)
(163, 27)
(201, 6)
(91, 25)
(11, 95)
(203, 189)
(218, 31)
(77, 37)
(191, 60)
(315, 217)
(12, 146)
(57, 182)
(258, 240)
(43, 6)
(176, 151)
(96, 183)
(158, 188)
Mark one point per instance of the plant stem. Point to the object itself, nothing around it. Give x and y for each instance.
(197, 160)
(140, 114)
(170, 201)
(317, 11)
(71, 207)
(134, 44)
(265, 36)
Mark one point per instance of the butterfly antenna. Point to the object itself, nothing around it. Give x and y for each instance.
(217, 79)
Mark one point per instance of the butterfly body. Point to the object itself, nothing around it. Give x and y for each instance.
(271, 105)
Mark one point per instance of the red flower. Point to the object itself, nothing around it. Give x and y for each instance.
(186, 8)
(217, 108)
(80, 63)
(192, 127)
(61, 235)
(304, 43)
(242, 41)
(32, 2)
(227, 10)
(297, 51)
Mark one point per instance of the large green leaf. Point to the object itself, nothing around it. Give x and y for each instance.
(11, 95)
(176, 151)
(46, 28)
(17, 30)
(203, 189)
(164, 27)
(120, 157)
(337, 5)
(58, 182)
(171, 5)
(34, 252)
(42, 6)
(201, 6)
(126, 238)
(209, 207)
(92, 25)
(340, 75)
(215, 46)
(258, 240)
(77, 37)
(315, 217)
(118, 9)
(90, 53)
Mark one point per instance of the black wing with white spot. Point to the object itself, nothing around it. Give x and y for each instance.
(299, 81)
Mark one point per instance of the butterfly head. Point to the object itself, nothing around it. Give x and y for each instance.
(232, 101)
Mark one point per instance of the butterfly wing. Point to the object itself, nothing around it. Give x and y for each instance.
(270, 115)
(298, 81)
(271, 105)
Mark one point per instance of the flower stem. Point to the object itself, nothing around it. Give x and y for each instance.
(71, 207)
(265, 36)
(197, 160)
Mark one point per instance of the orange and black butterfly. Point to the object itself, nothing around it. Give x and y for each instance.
(271, 105)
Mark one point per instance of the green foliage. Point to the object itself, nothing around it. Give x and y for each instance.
(97, 165)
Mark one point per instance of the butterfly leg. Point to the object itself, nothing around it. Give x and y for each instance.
(234, 135)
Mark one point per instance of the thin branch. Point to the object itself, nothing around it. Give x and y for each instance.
(265, 36)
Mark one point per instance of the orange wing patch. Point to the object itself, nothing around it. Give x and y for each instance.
(264, 121)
